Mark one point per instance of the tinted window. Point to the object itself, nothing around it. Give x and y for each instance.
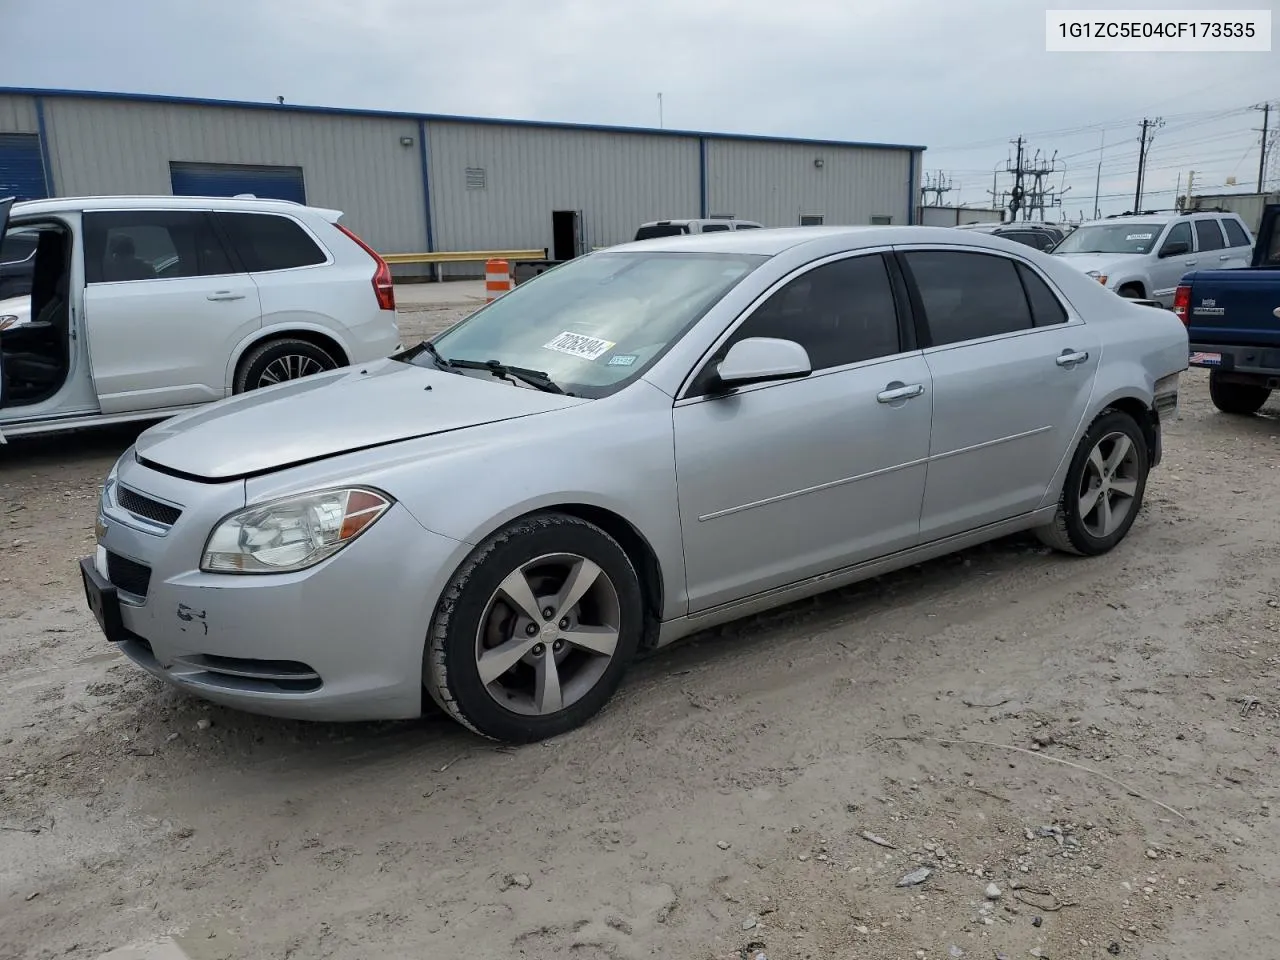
(151, 245)
(1029, 239)
(1236, 236)
(840, 313)
(1046, 309)
(1181, 233)
(714, 227)
(661, 230)
(266, 241)
(1209, 235)
(748, 226)
(969, 295)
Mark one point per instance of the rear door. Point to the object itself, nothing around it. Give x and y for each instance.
(164, 304)
(1012, 373)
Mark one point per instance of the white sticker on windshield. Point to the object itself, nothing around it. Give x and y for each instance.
(579, 345)
(1138, 236)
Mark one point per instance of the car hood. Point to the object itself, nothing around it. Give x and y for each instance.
(332, 413)
(1104, 263)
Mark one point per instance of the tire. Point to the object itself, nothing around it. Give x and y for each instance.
(284, 359)
(1087, 533)
(475, 617)
(1131, 293)
(1242, 399)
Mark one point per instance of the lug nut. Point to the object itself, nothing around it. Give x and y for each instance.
(531, 629)
(539, 649)
(557, 646)
(564, 623)
(548, 613)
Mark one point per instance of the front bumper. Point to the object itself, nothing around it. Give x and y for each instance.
(341, 641)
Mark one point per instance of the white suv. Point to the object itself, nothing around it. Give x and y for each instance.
(675, 228)
(1144, 256)
(141, 307)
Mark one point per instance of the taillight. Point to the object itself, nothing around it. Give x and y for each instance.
(1182, 304)
(384, 287)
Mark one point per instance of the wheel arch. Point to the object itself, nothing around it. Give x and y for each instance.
(1136, 282)
(318, 336)
(1125, 399)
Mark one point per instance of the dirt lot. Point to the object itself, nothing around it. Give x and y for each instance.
(1096, 738)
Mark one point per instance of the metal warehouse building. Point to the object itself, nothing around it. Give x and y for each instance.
(412, 183)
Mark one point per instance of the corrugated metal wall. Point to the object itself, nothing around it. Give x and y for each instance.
(776, 183)
(618, 181)
(354, 164)
(18, 115)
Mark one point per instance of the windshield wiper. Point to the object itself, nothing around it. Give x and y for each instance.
(534, 378)
(429, 348)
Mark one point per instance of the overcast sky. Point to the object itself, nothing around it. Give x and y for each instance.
(961, 77)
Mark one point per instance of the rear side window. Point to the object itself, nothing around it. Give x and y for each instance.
(661, 230)
(1208, 235)
(1046, 309)
(128, 245)
(714, 227)
(747, 226)
(1236, 236)
(840, 312)
(268, 241)
(967, 296)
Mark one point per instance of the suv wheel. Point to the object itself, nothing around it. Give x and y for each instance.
(1242, 399)
(1131, 292)
(278, 361)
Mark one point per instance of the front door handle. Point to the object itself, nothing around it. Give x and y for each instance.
(225, 295)
(1225, 256)
(900, 392)
(1189, 263)
(1069, 358)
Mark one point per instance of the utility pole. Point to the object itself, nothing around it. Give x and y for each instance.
(659, 111)
(1097, 180)
(1016, 194)
(1143, 145)
(1262, 151)
(938, 184)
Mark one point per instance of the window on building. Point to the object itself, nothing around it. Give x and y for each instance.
(129, 245)
(881, 221)
(967, 296)
(1209, 235)
(810, 219)
(840, 312)
(268, 241)
(1236, 235)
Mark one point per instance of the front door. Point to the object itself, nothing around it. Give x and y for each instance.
(1167, 271)
(1012, 375)
(164, 306)
(782, 481)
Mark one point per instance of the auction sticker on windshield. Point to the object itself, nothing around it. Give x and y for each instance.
(577, 345)
(1138, 236)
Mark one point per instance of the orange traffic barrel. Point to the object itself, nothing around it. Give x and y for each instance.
(497, 279)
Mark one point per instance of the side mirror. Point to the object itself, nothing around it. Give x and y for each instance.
(761, 360)
(1175, 248)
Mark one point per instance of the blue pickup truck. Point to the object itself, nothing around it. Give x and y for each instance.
(1233, 324)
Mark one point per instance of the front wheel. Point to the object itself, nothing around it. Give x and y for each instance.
(1242, 399)
(535, 630)
(1103, 489)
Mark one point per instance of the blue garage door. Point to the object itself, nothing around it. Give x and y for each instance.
(21, 167)
(229, 179)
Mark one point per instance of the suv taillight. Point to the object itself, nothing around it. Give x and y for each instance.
(1182, 304)
(383, 285)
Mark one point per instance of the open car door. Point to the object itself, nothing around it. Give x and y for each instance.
(5, 204)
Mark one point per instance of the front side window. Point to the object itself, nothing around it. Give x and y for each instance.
(268, 241)
(598, 322)
(130, 245)
(1112, 238)
(1208, 235)
(967, 296)
(1181, 233)
(841, 312)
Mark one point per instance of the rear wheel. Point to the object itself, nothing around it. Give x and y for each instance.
(1242, 399)
(535, 630)
(278, 361)
(1103, 489)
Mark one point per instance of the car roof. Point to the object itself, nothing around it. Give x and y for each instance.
(1162, 217)
(168, 202)
(771, 241)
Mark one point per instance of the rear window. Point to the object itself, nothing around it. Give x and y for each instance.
(1236, 235)
(661, 230)
(267, 241)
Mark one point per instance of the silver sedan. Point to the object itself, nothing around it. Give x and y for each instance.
(640, 444)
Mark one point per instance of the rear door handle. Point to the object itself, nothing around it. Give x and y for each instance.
(1225, 256)
(1189, 263)
(225, 295)
(904, 392)
(1070, 358)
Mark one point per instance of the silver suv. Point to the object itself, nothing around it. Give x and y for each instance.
(1143, 256)
(675, 228)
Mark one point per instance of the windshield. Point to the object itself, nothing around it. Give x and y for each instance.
(1111, 238)
(598, 322)
(661, 230)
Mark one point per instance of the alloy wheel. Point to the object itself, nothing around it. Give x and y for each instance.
(1108, 485)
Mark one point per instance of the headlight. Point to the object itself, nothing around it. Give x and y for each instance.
(1100, 277)
(292, 534)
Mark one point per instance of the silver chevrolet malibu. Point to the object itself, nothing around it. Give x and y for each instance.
(640, 444)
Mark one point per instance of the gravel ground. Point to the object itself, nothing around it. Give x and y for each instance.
(1081, 753)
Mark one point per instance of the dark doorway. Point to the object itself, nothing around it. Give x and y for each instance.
(566, 234)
